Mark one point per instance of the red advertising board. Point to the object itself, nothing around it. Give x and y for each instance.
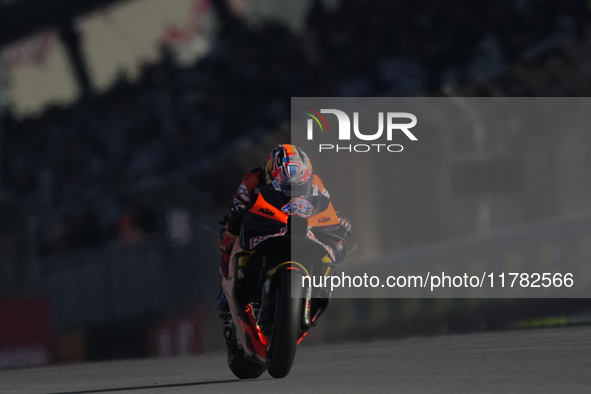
(25, 334)
(177, 336)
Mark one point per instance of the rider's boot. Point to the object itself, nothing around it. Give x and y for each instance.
(223, 305)
(226, 242)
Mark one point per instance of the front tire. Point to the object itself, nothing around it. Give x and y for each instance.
(286, 330)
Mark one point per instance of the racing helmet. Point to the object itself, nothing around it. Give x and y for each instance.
(290, 167)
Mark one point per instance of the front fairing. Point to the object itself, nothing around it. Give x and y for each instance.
(310, 217)
(264, 219)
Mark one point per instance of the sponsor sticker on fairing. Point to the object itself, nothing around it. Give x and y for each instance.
(298, 206)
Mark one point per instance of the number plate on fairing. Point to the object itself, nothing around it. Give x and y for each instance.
(298, 206)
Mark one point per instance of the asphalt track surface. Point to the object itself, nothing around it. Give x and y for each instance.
(534, 361)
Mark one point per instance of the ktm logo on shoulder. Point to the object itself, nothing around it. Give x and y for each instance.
(267, 211)
(324, 219)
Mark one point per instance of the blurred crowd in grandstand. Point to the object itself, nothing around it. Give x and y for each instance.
(69, 167)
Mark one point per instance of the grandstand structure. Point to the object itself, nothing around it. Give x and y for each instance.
(22, 18)
(109, 203)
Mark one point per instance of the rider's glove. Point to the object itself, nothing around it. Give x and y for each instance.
(345, 223)
(235, 211)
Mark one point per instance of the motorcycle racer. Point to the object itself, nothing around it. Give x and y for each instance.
(290, 168)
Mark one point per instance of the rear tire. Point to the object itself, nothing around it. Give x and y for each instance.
(242, 367)
(286, 331)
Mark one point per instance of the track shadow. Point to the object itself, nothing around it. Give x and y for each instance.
(156, 386)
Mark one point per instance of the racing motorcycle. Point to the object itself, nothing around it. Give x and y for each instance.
(285, 236)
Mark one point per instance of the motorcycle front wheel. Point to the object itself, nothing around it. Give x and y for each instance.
(283, 340)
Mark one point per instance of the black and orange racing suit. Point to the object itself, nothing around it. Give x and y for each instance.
(245, 195)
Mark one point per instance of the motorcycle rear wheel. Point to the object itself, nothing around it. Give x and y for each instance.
(286, 330)
(242, 367)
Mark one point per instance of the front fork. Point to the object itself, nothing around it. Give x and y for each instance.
(306, 314)
(264, 312)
